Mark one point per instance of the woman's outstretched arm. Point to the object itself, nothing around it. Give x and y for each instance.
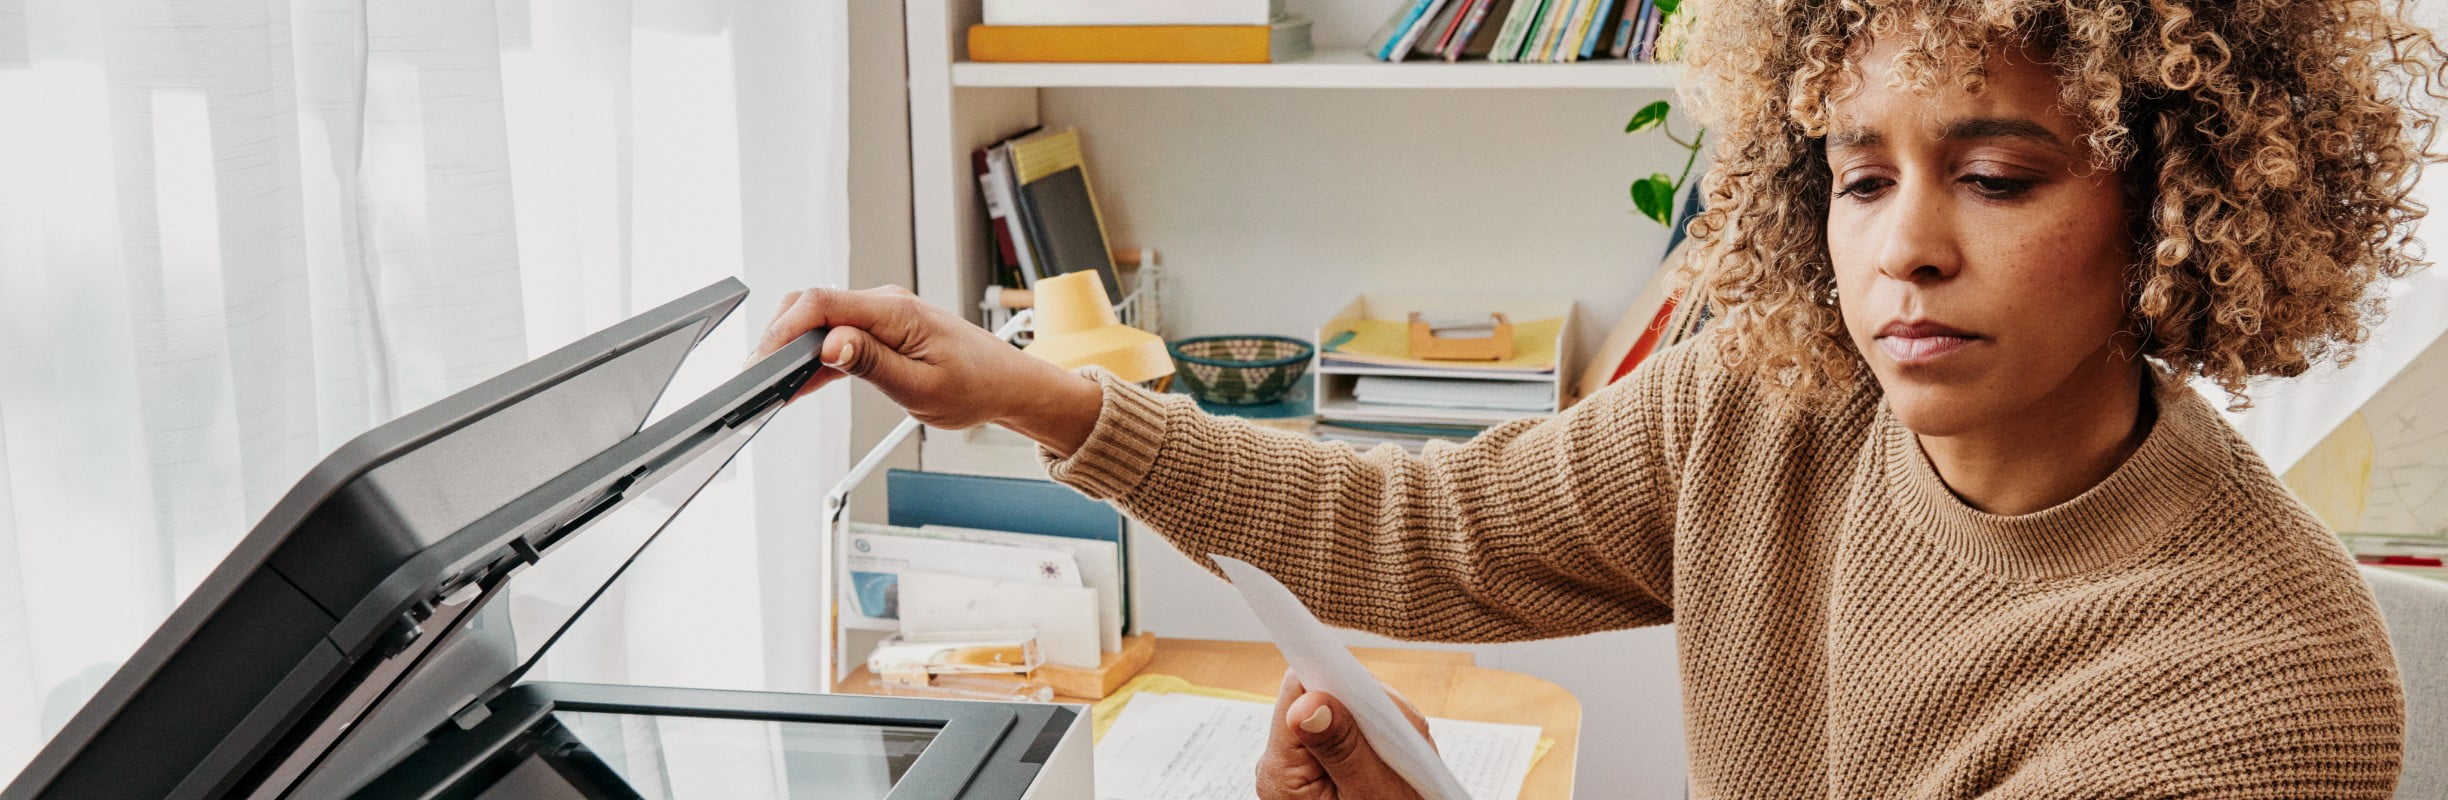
(1531, 530)
(1534, 529)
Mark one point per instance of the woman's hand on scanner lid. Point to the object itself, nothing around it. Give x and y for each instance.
(945, 371)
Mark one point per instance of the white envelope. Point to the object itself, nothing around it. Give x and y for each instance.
(1100, 568)
(1065, 617)
(877, 557)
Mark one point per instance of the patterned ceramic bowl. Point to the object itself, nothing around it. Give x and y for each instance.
(1240, 370)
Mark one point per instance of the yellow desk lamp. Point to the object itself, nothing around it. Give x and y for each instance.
(1076, 327)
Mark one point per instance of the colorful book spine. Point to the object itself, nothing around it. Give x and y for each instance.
(1599, 23)
(1551, 29)
(1516, 28)
(1455, 47)
(1625, 26)
(1448, 22)
(1647, 33)
(1381, 45)
(1410, 37)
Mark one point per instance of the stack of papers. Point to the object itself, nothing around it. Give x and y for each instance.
(939, 581)
(1455, 393)
(1189, 747)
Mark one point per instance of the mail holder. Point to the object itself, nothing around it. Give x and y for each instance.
(1018, 505)
(1496, 346)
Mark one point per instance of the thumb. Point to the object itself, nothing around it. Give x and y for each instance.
(1329, 732)
(853, 352)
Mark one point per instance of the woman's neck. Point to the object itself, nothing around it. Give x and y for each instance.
(2052, 452)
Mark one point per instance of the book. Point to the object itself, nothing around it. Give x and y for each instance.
(1516, 28)
(1558, 23)
(1058, 209)
(1625, 25)
(1286, 39)
(1595, 33)
(1651, 20)
(1568, 48)
(1006, 186)
(1381, 44)
(1466, 26)
(1410, 38)
(1441, 29)
(1008, 272)
(1480, 37)
(1132, 12)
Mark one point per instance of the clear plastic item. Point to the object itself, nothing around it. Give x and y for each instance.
(974, 687)
(912, 659)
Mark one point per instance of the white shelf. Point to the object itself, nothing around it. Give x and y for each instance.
(1339, 68)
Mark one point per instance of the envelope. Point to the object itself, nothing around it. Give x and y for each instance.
(1065, 617)
(876, 559)
(1100, 568)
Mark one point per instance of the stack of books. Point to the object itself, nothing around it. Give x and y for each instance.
(1139, 31)
(1372, 390)
(1530, 30)
(1041, 211)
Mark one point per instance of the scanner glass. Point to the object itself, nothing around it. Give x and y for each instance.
(586, 754)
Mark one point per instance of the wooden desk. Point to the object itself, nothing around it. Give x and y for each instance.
(1439, 683)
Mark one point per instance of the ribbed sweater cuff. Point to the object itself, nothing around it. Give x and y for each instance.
(1128, 437)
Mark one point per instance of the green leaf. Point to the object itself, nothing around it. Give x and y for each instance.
(1655, 197)
(1648, 117)
(1666, 7)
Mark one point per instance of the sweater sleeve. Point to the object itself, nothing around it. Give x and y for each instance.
(2311, 709)
(1534, 529)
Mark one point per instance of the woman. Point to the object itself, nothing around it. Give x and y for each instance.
(1932, 507)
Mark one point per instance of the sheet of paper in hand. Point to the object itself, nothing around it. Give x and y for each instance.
(1323, 664)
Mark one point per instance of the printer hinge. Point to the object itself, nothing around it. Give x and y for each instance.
(474, 713)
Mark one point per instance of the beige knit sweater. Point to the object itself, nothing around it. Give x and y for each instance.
(1847, 627)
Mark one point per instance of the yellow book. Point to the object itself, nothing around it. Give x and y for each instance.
(1285, 40)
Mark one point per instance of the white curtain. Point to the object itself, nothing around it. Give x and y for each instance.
(235, 233)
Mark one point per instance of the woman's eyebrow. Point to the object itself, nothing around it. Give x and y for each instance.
(1971, 128)
(2000, 128)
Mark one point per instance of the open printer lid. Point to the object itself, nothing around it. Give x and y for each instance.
(372, 602)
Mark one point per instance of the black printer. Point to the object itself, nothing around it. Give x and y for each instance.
(359, 642)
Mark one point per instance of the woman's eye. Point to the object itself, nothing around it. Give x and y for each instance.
(1862, 189)
(1997, 187)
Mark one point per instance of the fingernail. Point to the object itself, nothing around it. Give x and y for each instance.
(1318, 720)
(849, 349)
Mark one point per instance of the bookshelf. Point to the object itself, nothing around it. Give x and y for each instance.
(1277, 193)
(1341, 68)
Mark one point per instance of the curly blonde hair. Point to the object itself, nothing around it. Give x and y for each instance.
(2269, 149)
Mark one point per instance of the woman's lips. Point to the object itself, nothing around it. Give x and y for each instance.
(1917, 343)
(1918, 350)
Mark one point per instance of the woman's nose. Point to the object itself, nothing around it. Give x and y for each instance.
(1917, 237)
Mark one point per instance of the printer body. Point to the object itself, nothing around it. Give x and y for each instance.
(368, 638)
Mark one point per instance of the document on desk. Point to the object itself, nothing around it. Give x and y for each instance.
(1191, 747)
(1324, 664)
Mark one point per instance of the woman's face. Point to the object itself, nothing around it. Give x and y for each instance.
(1979, 253)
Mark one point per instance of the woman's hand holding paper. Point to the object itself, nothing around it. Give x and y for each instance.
(1315, 751)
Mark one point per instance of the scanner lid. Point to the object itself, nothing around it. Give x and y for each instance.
(362, 592)
(540, 562)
